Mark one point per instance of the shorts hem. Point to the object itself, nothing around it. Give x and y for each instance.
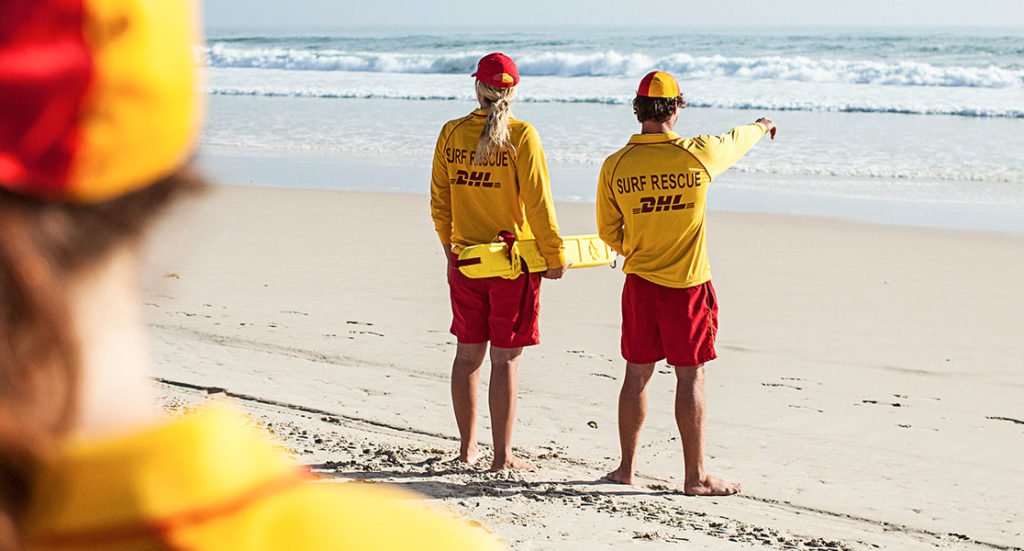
(514, 344)
(469, 341)
(632, 361)
(501, 344)
(690, 363)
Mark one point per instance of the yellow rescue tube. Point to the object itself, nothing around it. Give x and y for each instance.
(496, 260)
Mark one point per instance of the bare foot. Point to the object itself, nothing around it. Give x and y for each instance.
(512, 463)
(620, 476)
(711, 486)
(471, 456)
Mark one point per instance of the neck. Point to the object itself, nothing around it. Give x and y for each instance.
(114, 390)
(656, 127)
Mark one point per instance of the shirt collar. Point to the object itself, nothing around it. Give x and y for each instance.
(127, 483)
(481, 112)
(647, 139)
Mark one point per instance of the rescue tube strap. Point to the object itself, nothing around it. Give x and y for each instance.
(526, 310)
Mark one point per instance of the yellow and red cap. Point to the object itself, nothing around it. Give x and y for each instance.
(498, 70)
(97, 97)
(658, 84)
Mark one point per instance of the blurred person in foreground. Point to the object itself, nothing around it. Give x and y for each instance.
(651, 202)
(98, 118)
(489, 176)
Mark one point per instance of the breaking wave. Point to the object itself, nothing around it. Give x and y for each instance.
(611, 63)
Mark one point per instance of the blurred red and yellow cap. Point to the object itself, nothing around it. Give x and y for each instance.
(97, 96)
(658, 84)
(498, 70)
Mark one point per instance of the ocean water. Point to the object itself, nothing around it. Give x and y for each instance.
(914, 127)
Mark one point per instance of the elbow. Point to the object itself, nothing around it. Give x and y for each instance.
(613, 239)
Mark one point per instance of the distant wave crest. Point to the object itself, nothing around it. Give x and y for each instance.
(611, 63)
(613, 100)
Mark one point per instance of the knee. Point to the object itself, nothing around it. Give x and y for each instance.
(638, 375)
(505, 359)
(504, 365)
(690, 374)
(464, 367)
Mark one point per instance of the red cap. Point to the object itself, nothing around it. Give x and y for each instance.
(498, 70)
(658, 84)
(97, 97)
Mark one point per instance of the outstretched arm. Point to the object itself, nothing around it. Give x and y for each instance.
(718, 153)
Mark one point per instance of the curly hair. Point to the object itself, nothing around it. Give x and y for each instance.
(495, 136)
(656, 109)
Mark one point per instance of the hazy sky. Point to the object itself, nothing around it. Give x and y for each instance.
(526, 14)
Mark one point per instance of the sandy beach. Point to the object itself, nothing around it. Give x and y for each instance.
(869, 392)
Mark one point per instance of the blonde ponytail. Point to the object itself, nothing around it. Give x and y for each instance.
(495, 136)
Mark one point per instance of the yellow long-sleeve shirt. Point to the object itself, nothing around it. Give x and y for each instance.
(651, 201)
(208, 482)
(471, 203)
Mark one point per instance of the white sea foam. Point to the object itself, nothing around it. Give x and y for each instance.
(612, 63)
(834, 98)
(761, 103)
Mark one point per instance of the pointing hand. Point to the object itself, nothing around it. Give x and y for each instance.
(768, 124)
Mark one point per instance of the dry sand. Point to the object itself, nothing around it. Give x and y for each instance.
(869, 392)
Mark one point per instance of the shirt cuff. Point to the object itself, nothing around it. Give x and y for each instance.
(555, 260)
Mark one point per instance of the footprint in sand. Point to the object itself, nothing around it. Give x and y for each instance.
(782, 385)
(800, 379)
(1010, 419)
(876, 402)
(366, 333)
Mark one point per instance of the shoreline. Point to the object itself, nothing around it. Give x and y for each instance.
(866, 394)
(734, 191)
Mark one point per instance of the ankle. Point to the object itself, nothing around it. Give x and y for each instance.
(699, 476)
(625, 467)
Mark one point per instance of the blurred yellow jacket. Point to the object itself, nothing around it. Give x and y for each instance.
(207, 482)
(651, 201)
(471, 203)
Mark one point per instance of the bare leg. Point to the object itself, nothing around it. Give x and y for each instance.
(503, 391)
(632, 412)
(690, 406)
(465, 379)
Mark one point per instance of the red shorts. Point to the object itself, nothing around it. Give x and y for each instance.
(489, 309)
(660, 322)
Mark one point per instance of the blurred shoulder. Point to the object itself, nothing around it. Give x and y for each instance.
(354, 516)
